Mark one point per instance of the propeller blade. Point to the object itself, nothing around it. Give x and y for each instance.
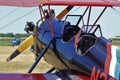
(64, 12)
(25, 44)
(29, 41)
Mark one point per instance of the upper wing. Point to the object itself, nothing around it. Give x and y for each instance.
(82, 2)
(33, 3)
(21, 3)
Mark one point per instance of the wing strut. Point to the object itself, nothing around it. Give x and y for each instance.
(39, 57)
(98, 18)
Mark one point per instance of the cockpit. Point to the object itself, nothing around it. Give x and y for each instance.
(87, 38)
(87, 34)
(71, 27)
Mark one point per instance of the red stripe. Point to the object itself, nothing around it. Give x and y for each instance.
(14, 76)
(108, 58)
(38, 77)
(84, 77)
(76, 40)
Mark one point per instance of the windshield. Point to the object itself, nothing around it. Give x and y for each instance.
(73, 19)
(94, 29)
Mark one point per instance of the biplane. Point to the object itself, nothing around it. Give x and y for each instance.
(76, 49)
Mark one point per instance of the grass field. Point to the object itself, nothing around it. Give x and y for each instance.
(22, 63)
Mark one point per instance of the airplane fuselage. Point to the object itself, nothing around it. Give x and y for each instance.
(64, 56)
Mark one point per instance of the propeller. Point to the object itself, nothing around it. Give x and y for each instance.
(24, 45)
(29, 41)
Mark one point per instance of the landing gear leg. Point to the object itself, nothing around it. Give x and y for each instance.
(39, 57)
(51, 70)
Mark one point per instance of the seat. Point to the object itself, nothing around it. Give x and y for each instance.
(69, 32)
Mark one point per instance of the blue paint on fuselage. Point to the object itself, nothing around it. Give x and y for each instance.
(67, 50)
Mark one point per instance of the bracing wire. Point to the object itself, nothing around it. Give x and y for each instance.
(75, 10)
(17, 19)
(115, 10)
(9, 13)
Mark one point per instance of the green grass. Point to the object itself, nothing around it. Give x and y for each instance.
(5, 42)
(116, 42)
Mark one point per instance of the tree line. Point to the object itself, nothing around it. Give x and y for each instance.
(14, 35)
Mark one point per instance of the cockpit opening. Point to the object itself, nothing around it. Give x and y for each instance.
(87, 38)
(71, 27)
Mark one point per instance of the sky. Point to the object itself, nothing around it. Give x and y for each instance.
(13, 19)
